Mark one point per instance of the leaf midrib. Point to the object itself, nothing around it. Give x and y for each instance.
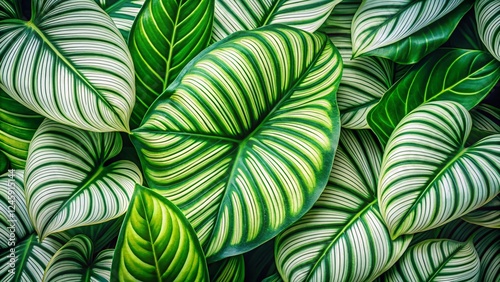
(443, 264)
(153, 251)
(166, 81)
(270, 13)
(20, 267)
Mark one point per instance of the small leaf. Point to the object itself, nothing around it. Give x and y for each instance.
(230, 269)
(122, 12)
(488, 23)
(156, 243)
(101, 235)
(487, 215)
(466, 35)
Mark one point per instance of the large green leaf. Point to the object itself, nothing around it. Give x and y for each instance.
(75, 262)
(343, 234)
(405, 30)
(70, 64)
(17, 127)
(437, 260)
(66, 172)
(9, 9)
(122, 12)
(487, 215)
(237, 15)
(465, 76)
(157, 243)
(364, 80)
(428, 176)
(167, 34)
(244, 139)
(488, 24)
(230, 269)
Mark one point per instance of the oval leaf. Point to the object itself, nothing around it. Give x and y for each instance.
(428, 177)
(230, 269)
(165, 37)
(343, 233)
(122, 12)
(488, 25)
(487, 215)
(77, 69)
(157, 243)
(65, 171)
(243, 141)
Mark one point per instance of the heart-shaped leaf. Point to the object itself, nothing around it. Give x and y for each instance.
(67, 183)
(487, 215)
(157, 243)
(237, 15)
(75, 66)
(243, 141)
(465, 76)
(343, 234)
(166, 35)
(122, 12)
(75, 262)
(488, 25)
(428, 176)
(230, 269)
(398, 31)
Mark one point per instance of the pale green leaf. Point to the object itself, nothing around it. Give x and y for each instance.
(487, 215)
(488, 24)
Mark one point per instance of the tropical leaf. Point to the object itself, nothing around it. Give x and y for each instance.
(428, 176)
(243, 140)
(14, 220)
(4, 163)
(273, 278)
(9, 9)
(65, 171)
(32, 258)
(486, 118)
(156, 243)
(260, 262)
(17, 127)
(437, 260)
(398, 30)
(364, 80)
(474, 75)
(488, 23)
(343, 234)
(75, 262)
(466, 35)
(101, 235)
(230, 269)
(122, 12)
(237, 15)
(77, 69)
(487, 215)
(167, 34)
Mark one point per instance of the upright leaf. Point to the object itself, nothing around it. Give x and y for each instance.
(231, 269)
(244, 139)
(428, 176)
(122, 12)
(69, 63)
(464, 76)
(487, 215)
(343, 234)
(488, 23)
(167, 34)
(405, 30)
(156, 243)
(67, 182)
(237, 15)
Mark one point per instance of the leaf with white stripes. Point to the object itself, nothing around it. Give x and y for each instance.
(67, 184)
(343, 234)
(405, 30)
(17, 127)
(428, 176)
(69, 63)
(243, 141)
(487, 215)
(166, 35)
(122, 12)
(10, 9)
(437, 260)
(365, 79)
(464, 76)
(237, 15)
(75, 262)
(157, 243)
(230, 269)
(488, 24)
(15, 223)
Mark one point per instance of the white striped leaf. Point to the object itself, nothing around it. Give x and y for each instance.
(486, 118)
(230, 269)
(69, 63)
(167, 34)
(437, 260)
(428, 176)
(15, 223)
(10, 9)
(32, 258)
(157, 243)
(343, 236)
(237, 15)
(122, 12)
(17, 127)
(365, 79)
(405, 30)
(464, 76)
(244, 139)
(75, 262)
(488, 24)
(487, 215)
(67, 182)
